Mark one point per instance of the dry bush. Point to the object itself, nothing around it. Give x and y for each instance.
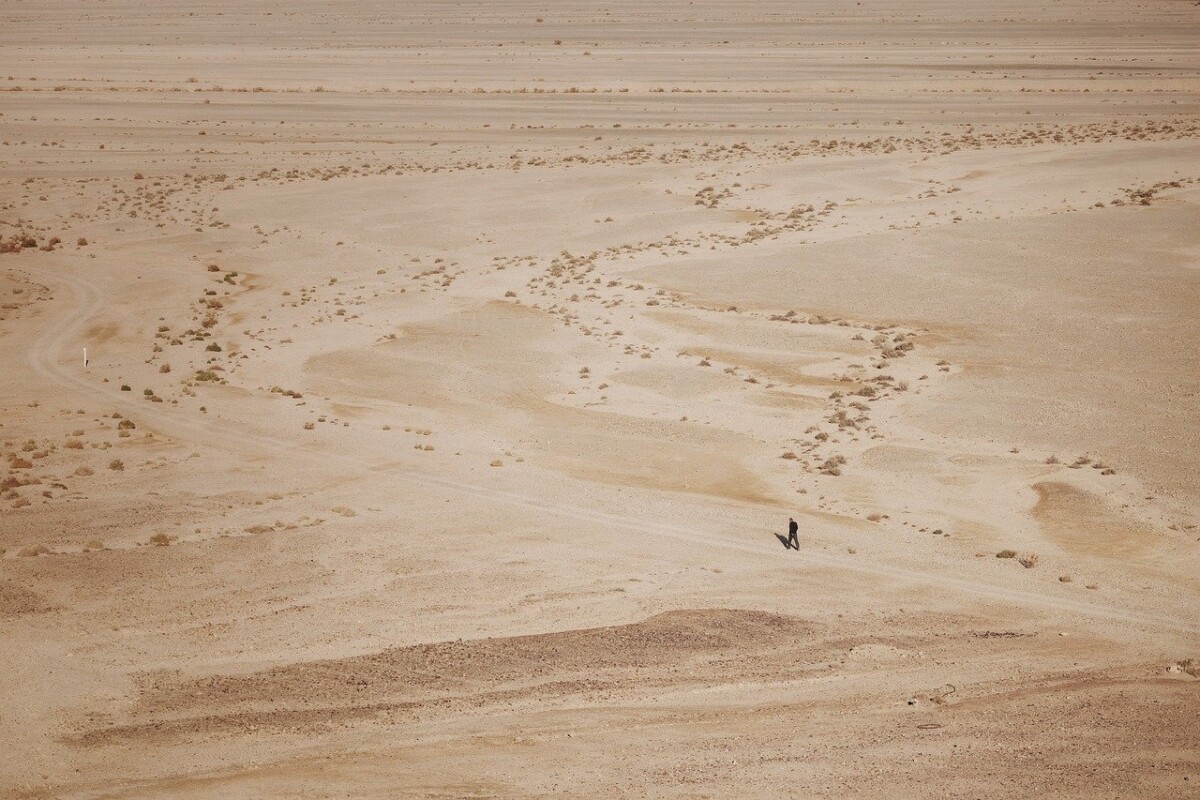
(1064, 579)
(497, 462)
(83, 472)
(74, 444)
(116, 464)
(259, 529)
(159, 540)
(1029, 562)
(1007, 554)
(164, 368)
(833, 466)
(126, 424)
(345, 511)
(33, 551)
(21, 502)
(876, 517)
(94, 544)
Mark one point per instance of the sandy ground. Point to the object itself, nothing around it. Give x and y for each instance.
(453, 370)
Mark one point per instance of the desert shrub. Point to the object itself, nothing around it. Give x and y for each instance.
(1029, 562)
(833, 466)
(83, 472)
(1007, 554)
(159, 540)
(116, 464)
(126, 424)
(213, 348)
(33, 551)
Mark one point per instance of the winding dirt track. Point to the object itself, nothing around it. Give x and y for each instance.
(46, 358)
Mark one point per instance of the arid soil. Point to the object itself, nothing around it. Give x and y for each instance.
(452, 371)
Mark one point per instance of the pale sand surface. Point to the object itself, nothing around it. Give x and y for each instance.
(471, 376)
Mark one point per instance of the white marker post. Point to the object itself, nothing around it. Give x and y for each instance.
(85, 356)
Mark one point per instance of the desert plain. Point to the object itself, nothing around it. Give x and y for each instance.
(452, 371)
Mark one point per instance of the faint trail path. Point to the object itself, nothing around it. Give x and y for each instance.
(45, 357)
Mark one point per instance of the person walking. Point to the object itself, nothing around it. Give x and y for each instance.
(793, 536)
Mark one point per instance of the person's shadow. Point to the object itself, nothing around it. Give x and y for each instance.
(783, 540)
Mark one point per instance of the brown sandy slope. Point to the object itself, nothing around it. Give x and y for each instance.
(452, 370)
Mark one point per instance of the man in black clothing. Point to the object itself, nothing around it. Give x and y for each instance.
(793, 538)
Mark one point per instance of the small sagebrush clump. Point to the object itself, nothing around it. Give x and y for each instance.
(159, 540)
(1007, 554)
